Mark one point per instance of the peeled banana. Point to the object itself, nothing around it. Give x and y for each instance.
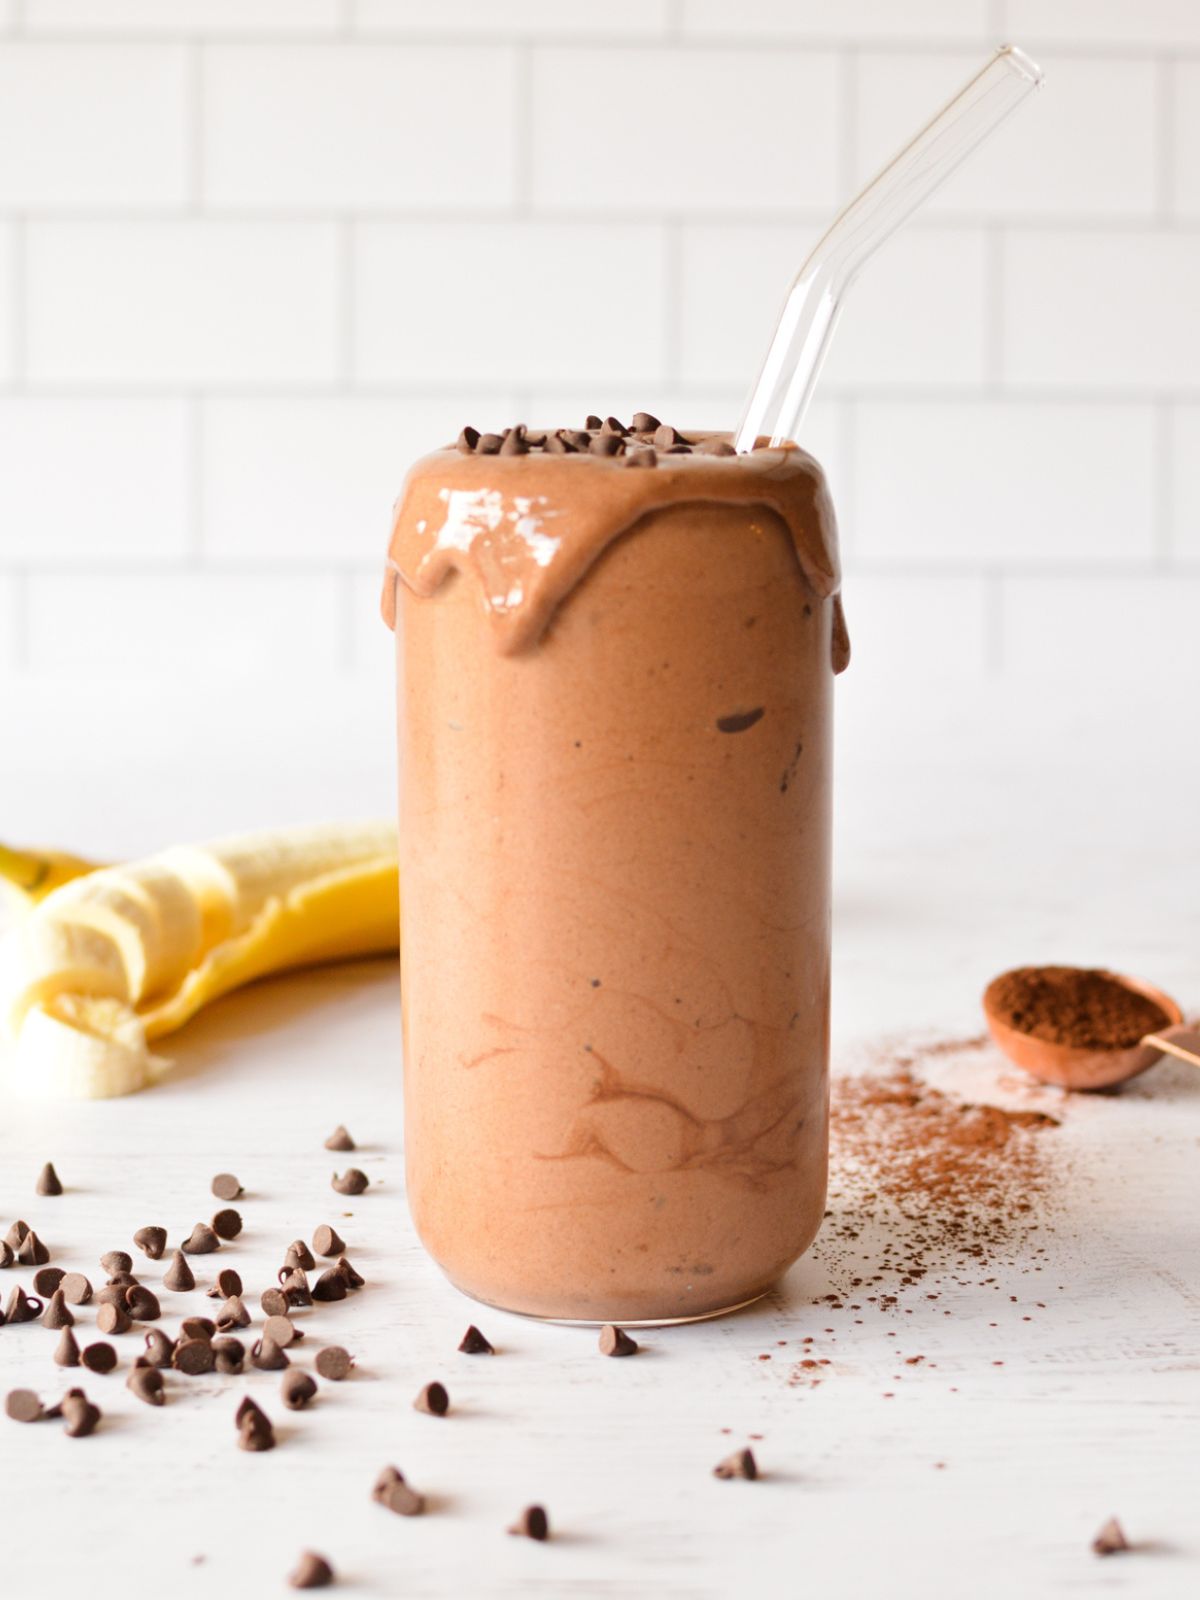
(114, 958)
(33, 874)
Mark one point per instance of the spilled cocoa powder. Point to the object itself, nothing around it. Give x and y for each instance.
(1085, 1007)
(928, 1193)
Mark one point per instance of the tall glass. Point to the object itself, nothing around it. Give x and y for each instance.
(614, 698)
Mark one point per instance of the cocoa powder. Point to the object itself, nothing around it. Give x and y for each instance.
(1084, 1007)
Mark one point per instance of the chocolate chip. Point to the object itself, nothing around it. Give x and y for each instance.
(233, 1314)
(340, 1138)
(151, 1242)
(311, 1572)
(193, 1356)
(112, 1294)
(6, 1254)
(577, 441)
(614, 425)
(22, 1307)
(433, 1399)
(1111, 1540)
(331, 1285)
(297, 1389)
(22, 1405)
(274, 1303)
(225, 1186)
(282, 1330)
(533, 1523)
(741, 1464)
(159, 1349)
(489, 444)
(267, 1356)
(116, 1261)
(739, 721)
(99, 1357)
(473, 1343)
(142, 1304)
(466, 442)
(113, 1319)
(643, 456)
(352, 1181)
(15, 1235)
(228, 1284)
(326, 1241)
(354, 1280)
(147, 1384)
(255, 1430)
(229, 1354)
(197, 1328)
(48, 1180)
(79, 1414)
(593, 422)
(515, 443)
(47, 1279)
(299, 1255)
(77, 1291)
(333, 1363)
(32, 1252)
(57, 1314)
(714, 447)
(227, 1224)
(615, 1341)
(665, 436)
(391, 1490)
(556, 445)
(644, 422)
(66, 1351)
(606, 444)
(295, 1289)
(178, 1275)
(202, 1241)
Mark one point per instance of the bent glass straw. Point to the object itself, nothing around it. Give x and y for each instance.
(789, 374)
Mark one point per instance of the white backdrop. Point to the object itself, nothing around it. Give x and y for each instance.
(256, 254)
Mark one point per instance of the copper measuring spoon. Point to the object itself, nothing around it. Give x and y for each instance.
(1072, 1067)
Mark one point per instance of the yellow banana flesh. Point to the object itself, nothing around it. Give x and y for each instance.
(109, 962)
(33, 874)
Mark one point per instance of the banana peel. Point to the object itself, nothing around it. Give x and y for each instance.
(112, 959)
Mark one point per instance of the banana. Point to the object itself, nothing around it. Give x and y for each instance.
(33, 874)
(107, 963)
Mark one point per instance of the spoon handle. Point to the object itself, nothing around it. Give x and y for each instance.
(1182, 1042)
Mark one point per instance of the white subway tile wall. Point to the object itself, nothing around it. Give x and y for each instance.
(256, 255)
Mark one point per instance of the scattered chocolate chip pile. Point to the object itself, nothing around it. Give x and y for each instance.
(1084, 1007)
(638, 445)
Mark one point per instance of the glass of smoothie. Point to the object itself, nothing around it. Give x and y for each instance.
(615, 653)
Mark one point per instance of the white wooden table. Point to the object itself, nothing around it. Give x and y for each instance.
(952, 863)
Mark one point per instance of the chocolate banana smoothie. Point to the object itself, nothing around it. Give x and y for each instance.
(615, 658)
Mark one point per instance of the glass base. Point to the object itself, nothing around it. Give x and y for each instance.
(625, 1322)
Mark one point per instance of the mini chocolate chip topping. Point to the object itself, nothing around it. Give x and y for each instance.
(46, 1280)
(197, 1328)
(151, 1242)
(607, 437)
(297, 1389)
(645, 422)
(159, 1348)
(533, 1523)
(741, 1464)
(299, 1255)
(331, 1285)
(22, 1307)
(467, 441)
(193, 1356)
(57, 1314)
(340, 1139)
(116, 1261)
(474, 1343)
(267, 1356)
(282, 1330)
(142, 1303)
(233, 1314)
(312, 1571)
(32, 1252)
(391, 1490)
(354, 1280)
(79, 1414)
(228, 1283)
(274, 1303)
(615, 1341)
(15, 1234)
(77, 1291)
(48, 1181)
(147, 1384)
(225, 1186)
(352, 1181)
(22, 1405)
(229, 1354)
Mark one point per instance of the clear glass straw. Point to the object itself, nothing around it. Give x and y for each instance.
(789, 374)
